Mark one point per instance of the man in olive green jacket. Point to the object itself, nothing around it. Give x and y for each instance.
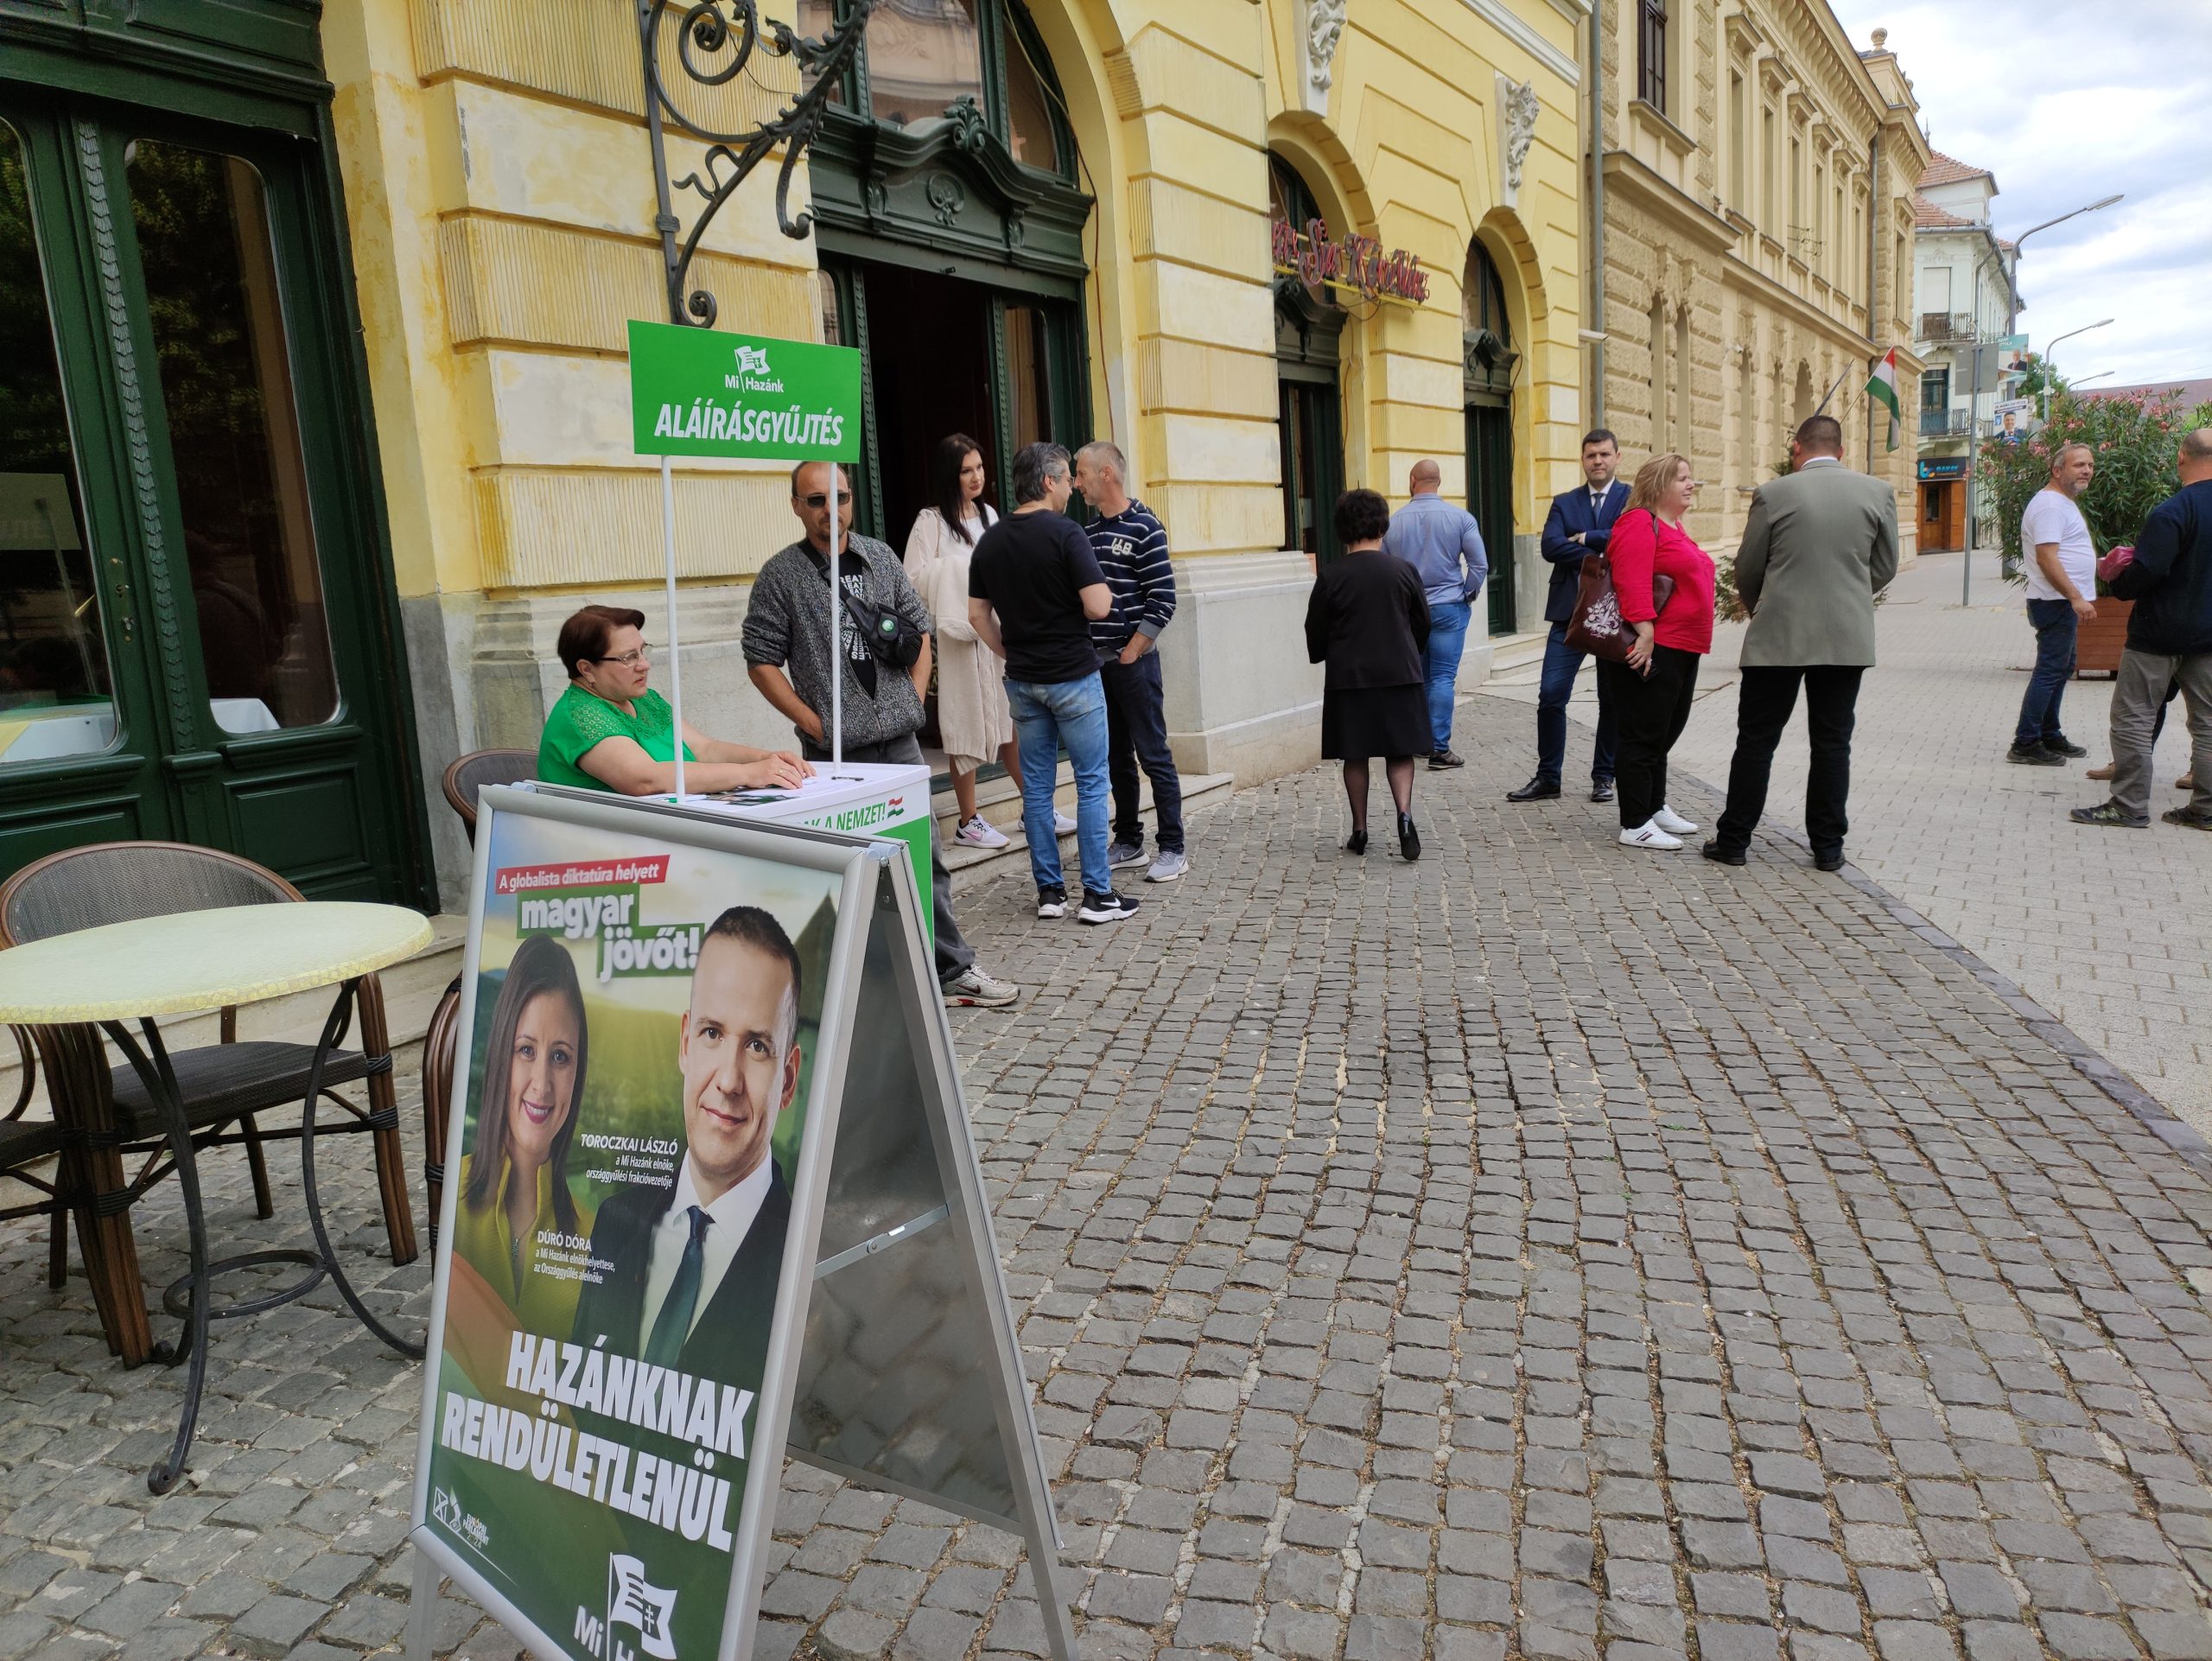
(1821, 543)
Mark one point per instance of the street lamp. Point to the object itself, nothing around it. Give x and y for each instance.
(2011, 291)
(2050, 365)
(2086, 380)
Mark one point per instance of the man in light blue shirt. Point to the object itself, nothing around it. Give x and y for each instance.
(1441, 540)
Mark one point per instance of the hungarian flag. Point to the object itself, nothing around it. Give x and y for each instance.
(1882, 387)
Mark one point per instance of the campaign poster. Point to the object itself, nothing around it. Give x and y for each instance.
(643, 1040)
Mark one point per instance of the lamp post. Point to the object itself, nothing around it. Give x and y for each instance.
(2050, 365)
(2011, 291)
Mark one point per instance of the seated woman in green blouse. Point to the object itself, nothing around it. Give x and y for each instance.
(608, 732)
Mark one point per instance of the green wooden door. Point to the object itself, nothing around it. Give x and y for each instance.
(1490, 499)
(212, 659)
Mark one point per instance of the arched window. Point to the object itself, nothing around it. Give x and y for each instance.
(1309, 329)
(1487, 359)
(924, 60)
(951, 231)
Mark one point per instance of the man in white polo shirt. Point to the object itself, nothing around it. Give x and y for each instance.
(2062, 568)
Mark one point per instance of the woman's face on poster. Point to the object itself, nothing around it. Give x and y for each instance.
(541, 1077)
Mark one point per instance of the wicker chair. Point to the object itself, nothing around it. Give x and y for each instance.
(224, 1085)
(463, 780)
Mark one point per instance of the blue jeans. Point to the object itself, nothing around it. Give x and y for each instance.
(1447, 639)
(2056, 626)
(1047, 714)
(1562, 663)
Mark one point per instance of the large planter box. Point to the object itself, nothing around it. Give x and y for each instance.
(2101, 640)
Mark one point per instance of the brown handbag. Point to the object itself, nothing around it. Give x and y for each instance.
(1596, 626)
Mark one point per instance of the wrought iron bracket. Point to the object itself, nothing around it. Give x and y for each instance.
(715, 42)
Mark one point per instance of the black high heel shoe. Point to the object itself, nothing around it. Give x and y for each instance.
(1356, 843)
(1408, 838)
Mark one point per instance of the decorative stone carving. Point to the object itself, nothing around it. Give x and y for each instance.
(1518, 108)
(1325, 28)
(947, 196)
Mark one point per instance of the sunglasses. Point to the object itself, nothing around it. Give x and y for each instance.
(820, 499)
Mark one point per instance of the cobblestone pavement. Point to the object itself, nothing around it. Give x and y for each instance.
(2112, 939)
(1539, 1251)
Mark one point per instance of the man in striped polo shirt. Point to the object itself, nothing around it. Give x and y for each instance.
(1131, 546)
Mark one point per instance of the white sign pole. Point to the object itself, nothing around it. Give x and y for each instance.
(668, 558)
(836, 631)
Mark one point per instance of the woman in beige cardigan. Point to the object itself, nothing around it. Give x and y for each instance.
(971, 712)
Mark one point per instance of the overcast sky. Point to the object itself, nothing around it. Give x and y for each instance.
(2065, 104)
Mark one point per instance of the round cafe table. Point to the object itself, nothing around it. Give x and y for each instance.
(188, 961)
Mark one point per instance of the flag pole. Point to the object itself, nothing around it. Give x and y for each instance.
(668, 562)
(836, 631)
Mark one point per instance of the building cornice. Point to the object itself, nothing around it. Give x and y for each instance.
(1502, 18)
(1635, 180)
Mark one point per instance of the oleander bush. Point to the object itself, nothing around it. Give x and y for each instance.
(2134, 435)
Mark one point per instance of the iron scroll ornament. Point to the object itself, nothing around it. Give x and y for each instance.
(715, 40)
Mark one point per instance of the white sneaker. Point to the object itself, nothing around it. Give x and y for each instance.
(1062, 825)
(1672, 823)
(972, 987)
(979, 832)
(1650, 836)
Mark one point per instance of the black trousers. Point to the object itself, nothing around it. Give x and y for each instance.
(1763, 706)
(1649, 712)
(1136, 734)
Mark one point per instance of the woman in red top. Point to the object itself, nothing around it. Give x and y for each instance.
(1650, 693)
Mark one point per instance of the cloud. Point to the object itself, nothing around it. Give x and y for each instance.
(2064, 105)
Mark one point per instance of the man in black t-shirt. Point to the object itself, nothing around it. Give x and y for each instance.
(1034, 588)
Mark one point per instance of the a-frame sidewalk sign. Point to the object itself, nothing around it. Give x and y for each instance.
(688, 1021)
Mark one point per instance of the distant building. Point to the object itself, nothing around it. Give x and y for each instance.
(1965, 286)
(1758, 173)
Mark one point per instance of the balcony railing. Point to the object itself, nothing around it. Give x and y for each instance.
(1945, 424)
(1947, 327)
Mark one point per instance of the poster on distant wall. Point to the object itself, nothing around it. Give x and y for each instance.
(633, 1103)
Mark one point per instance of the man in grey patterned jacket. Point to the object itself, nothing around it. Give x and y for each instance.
(789, 655)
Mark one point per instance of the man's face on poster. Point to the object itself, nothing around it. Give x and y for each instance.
(739, 1052)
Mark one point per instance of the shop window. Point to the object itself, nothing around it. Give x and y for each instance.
(55, 697)
(921, 60)
(1031, 132)
(1309, 329)
(241, 476)
(923, 56)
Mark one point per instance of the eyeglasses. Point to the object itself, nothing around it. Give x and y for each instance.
(628, 659)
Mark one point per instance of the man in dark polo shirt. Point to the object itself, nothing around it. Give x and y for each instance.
(1034, 589)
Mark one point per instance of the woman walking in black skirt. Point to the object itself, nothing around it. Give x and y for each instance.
(1368, 621)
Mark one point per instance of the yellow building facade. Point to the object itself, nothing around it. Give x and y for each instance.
(1758, 224)
(1056, 220)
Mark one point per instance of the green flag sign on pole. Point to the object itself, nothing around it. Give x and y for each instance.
(700, 391)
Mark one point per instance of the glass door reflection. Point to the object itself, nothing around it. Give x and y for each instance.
(211, 296)
(56, 691)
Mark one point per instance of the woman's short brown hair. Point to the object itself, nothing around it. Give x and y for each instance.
(584, 637)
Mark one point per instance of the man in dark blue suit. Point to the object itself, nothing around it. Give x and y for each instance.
(1581, 522)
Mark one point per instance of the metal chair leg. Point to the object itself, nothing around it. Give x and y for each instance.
(257, 1164)
(340, 1011)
